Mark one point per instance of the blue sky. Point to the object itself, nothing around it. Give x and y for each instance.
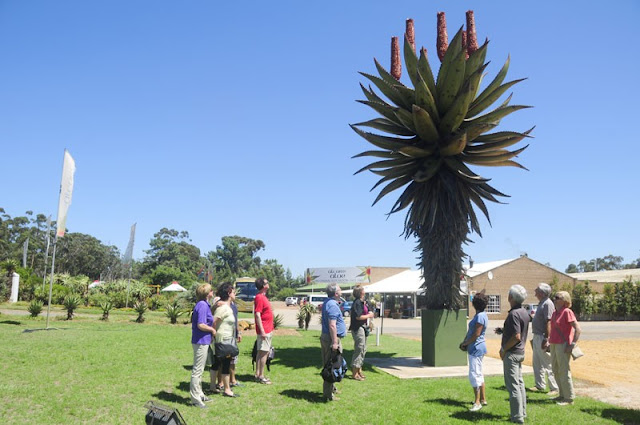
(224, 118)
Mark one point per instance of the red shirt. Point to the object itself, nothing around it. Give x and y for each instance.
(561, 329)
(262, 305)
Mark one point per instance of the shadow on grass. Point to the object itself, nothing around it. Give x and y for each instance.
(620, 415)
(447, 402)
(173, 398)
(10, 322)
(303, 357)
(311, 397)
(477, 416)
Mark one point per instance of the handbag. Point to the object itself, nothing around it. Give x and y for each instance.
(576, 353)
(226, 350)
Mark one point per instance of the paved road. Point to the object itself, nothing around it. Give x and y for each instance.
(411, 328)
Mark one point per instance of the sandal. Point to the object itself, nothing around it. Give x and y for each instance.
(265, 381)
(234, 395)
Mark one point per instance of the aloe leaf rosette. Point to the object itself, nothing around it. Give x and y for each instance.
(428, 138)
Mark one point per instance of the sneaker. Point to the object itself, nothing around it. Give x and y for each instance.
(484, 402)
(564, 402)
(535, 389)
(206, 399)
(199, 405)
(475, 407)
(552, 393)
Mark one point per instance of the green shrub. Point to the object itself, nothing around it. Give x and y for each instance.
(35, 308)
(278, 320)
(155, 302)
(97, 298)
(71, 302)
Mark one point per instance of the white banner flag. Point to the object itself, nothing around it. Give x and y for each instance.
(66, 190)
(129, 252)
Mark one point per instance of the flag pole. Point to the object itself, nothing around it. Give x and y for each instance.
(46, 254)
(53, 263)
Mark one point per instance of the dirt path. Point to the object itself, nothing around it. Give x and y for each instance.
(608, 371)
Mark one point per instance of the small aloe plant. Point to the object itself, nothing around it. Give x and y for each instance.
(71, 303)
(35, 308)
(106, 307)
(141, 308)
(174, 310)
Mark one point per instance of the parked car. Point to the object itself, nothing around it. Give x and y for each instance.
(340, 303)
(291, 301)
(531, 309)
(345, 307)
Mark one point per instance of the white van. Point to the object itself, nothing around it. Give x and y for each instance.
(316, 300)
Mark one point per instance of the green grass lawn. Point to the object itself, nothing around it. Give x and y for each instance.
(89, 371)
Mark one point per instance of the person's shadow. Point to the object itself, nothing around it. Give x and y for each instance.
(311, 397)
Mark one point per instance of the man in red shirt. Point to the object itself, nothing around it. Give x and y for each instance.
(264, 326)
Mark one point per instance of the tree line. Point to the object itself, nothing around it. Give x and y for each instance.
(608, 262)
(171, 256)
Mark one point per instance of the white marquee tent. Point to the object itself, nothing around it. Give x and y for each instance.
(174, 287)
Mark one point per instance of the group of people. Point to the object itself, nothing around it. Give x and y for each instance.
(215, 322)
(555, 334)
(554, 327)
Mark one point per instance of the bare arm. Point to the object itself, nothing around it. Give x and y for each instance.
(365, 316)
(576, 336)
(474, 336)
(206, 328)
(333, 333)
(258, 318)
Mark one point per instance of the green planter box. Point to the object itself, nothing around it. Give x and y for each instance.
(442, 333)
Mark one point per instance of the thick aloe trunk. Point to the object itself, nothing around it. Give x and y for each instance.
(441, 233)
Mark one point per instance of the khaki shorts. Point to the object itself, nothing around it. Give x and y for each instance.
(264, 342)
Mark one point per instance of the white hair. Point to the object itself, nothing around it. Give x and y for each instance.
(332, 288)
(544, 288)
(518, 293)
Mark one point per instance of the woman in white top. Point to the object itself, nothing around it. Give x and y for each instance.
(224, 322)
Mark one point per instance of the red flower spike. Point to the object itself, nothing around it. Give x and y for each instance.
(464, 43)
(472, 38)
(396, 66)
(411, 34)
(443, 39)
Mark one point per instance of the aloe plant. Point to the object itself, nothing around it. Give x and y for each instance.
(71, 303)
(141, 308)
(35, 308)
(174, 310)
(106, 307)
(304, 315)
(434, 129)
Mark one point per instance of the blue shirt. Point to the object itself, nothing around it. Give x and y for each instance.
(478, 347)
(201, 314)
(331, 311)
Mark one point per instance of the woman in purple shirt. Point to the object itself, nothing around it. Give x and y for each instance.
(201, 332)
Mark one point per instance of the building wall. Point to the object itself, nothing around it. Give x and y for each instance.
(522, 271)
(379, 273)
